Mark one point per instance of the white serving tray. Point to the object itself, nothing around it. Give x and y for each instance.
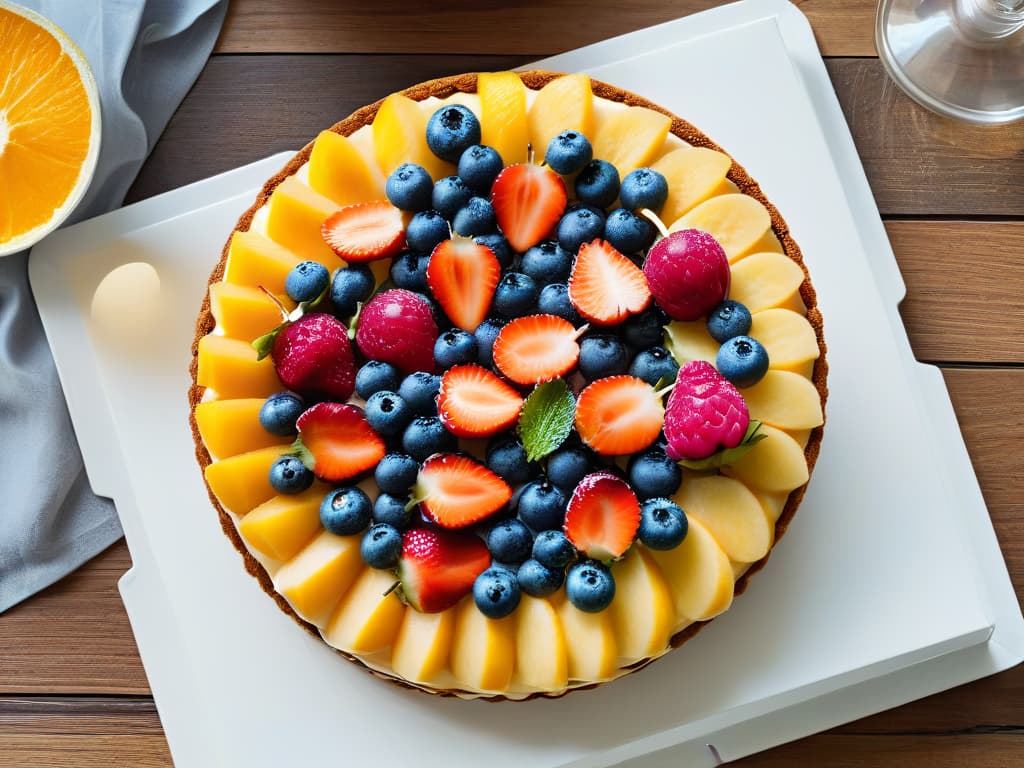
(889, 585)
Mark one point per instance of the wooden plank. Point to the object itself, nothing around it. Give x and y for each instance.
(79, 716)
(532, 27)
(913, 751)
(85, 751)
(963, 289)
(917, 163)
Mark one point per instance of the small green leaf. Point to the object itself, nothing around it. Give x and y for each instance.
(353, 323)
(309, 305)
(726, 456)
(546, 419)
(264, 345)
(303, 454)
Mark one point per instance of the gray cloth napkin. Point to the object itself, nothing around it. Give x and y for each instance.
(145, 55)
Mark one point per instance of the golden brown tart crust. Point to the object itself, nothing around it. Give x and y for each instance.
(533, 79)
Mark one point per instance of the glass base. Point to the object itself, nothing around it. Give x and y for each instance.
(960, 58)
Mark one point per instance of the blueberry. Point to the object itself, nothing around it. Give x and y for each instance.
(485, 335)
(455, 347)
(590, 586)
(376, 375)
(510, 541)
(627, 232)
(409, 271)
(289, 475)
(499, 246)
(742, 360)
(515, 296)
(546, 262)
(643, 188)
(506, 458)
(426, 436)
(542, 505)
(345, 511)
(567, 466)
(279, 413)
(409, 187)
(451, 130)
(306, 281)
(554, 300)
(602, 355)
(663, 524)
(539, 580)
(646, 329)
(419, 390)
(475, 218)
(579, 226)
(390, 509)
(387, 412)
(728, 320)
(496, 592)
(396, 473)
(426, 229)
(653, 474)
(598, 183)
(450, 194)
(479, 166)
(381, 546)
(351, 285)
(568, 152)
(654, 365)
(553, 549)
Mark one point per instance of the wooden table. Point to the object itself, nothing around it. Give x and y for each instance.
(72, 688)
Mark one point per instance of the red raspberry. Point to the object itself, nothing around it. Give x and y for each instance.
(313, 356)
(704, 413)
(398, 327)
(688, 273)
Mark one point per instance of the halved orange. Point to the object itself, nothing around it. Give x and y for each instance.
(49, 127)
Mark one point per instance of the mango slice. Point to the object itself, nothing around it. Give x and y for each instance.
(775, 464)
(642, 612)
(316, 579)
(283, 525)
(787, 336)
(242, 482)
(785, 400)
(729, 512)
(541, 660)
(422, 645)
(690, 341)
(368, 617)
(736, 221)
(338, 170)
(483, 650)
(503, 121)
(230, 367)
(773, 504)
(254, 259)
(564, 104)
(630, 138)
(766, 280)
(699, 575)
(243, 312)
(693, 174)
(769, 243)
(230, 427)
(590, 640)
(400, 136)
(295, 215)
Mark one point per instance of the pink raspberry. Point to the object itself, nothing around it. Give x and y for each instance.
(313, 356)
(704, 413)
(688, 274)
(398, 327)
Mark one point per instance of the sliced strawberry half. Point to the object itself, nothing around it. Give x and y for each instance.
(528, 201)
(605, 286)
(537, 348)
(603, 516)
(338, 442)
(456, 492)
(365, 231)
(437, 568)
(473, 402)
(462, 275)
(619, 415)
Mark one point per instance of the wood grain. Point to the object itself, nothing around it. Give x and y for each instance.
(916, 163)
(532, 27)
(842, 751)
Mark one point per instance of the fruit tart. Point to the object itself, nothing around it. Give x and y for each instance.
(506, 384)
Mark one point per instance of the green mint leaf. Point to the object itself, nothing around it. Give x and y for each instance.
(303, 454)
(723, 457)
(546, 419)
(264, 345)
